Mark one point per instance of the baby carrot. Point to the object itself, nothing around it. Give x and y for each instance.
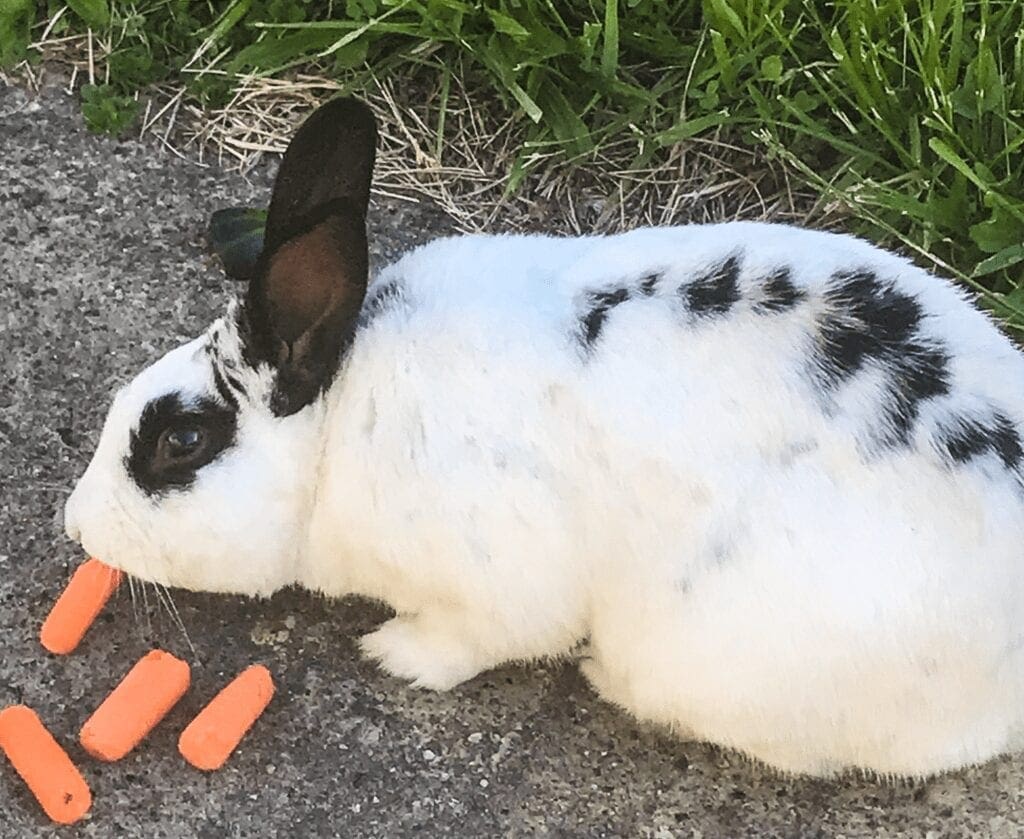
(135, 706)
(218, 729)
(43, 765)
(75, 610)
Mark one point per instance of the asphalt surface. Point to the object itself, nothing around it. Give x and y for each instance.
(102, 268)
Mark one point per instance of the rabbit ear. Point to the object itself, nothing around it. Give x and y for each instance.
(304, 301)
(330, 157)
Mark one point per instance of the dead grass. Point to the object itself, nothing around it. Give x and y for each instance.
(460, 162)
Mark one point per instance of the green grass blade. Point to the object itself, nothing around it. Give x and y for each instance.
(610, 48)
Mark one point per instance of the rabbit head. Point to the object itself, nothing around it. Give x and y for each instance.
(204, 473)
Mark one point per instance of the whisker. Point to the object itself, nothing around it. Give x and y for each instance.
(172, 609)
(134, 597)
(145, 605)
(160, 602)
(161, 598)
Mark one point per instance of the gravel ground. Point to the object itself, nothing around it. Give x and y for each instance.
(102, 269)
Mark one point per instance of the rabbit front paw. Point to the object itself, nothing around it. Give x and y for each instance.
(428, 655)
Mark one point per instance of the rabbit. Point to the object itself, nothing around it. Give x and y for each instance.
(764, 483)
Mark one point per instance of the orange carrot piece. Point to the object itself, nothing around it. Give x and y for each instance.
(217, 730)
(75, 610)
(135, 706)
(43, 765)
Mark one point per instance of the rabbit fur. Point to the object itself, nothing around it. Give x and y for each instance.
(771, 479)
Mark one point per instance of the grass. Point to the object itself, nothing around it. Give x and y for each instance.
(907, 115)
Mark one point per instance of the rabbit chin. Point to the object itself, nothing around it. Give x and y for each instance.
(201, 541)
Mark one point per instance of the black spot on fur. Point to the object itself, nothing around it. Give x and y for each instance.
(919, 373)
(971, 437)
(231, 380)
(380, 301)
(156, 466)
(779, 293)
(722, 551)
(228, 385)
(224, 388)
(648, 285)
(714, 292)
(866, 319)
(796, 450)
(599, 303)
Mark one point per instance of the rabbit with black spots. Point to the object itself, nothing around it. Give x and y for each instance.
(771, 479)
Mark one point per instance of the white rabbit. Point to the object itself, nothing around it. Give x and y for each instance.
(773, 478)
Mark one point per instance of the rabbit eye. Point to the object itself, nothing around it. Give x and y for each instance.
(182, 442)
(175, 440)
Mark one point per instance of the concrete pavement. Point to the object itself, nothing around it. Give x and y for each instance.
(101, 269)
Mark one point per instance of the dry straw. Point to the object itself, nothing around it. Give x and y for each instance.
(462, 166)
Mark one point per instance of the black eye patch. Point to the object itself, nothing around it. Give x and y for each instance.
(174, 441)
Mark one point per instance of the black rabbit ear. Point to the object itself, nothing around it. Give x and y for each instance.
(330, 157)
(310, 281)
